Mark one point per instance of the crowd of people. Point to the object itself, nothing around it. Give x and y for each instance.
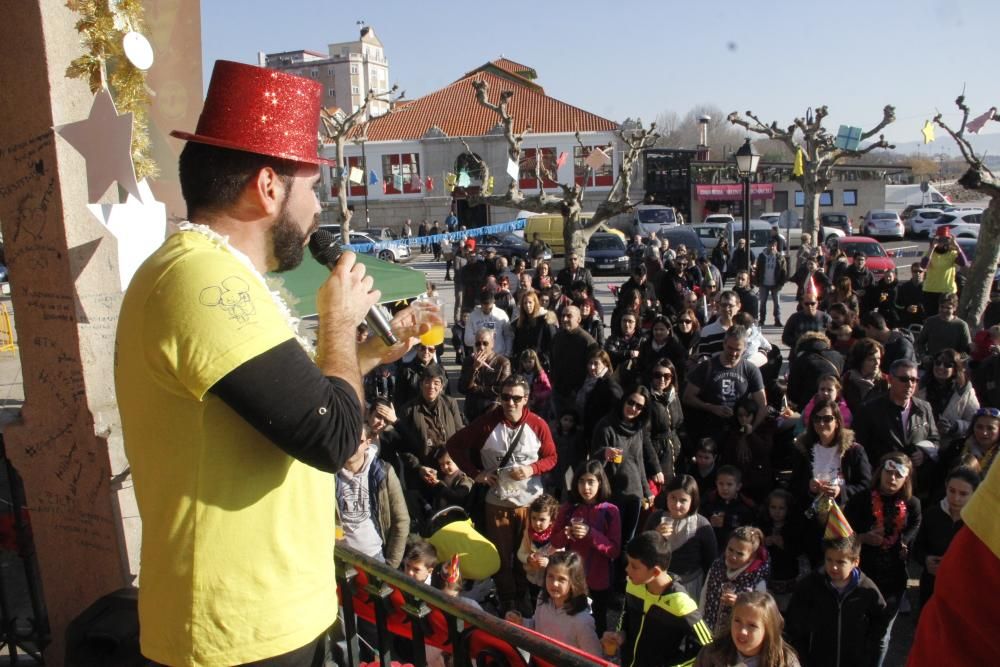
(664, 491)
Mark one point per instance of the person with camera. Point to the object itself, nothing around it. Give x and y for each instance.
(941, 262)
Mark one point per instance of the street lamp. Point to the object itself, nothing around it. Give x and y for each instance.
(363, 139)
(746, 165)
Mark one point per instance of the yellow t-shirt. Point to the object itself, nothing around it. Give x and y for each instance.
(237, 543)
(940, 277)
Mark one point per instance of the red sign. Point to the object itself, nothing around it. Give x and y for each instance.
(733, 191)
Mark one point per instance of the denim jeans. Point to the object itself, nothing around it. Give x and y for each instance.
(774, 293)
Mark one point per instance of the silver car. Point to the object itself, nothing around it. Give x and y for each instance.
(883, 224)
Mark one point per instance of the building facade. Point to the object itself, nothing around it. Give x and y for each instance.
(347, 71)
(406, 157)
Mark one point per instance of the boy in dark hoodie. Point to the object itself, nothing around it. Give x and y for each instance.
(726, 508)
(661, 624)
(836, 616)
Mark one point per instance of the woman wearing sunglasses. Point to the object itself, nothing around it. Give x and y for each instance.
(886, 520)
(953, 401)
(830, 467)
(621, 439)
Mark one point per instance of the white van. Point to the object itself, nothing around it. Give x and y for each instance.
(649, 218)
(898, 197)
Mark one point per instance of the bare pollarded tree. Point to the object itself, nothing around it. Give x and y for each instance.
(570, 203)
(819, 152)
(976, 294)
(336, 129)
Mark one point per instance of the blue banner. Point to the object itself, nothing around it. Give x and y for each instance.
(458, 237)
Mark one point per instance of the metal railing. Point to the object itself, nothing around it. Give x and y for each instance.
(380, 585)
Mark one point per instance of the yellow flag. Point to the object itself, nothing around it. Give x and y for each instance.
(799, 167)
(928, 132)
(449, 182)
(489, 186)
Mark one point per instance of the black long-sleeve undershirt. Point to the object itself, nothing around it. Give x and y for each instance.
(311, 417)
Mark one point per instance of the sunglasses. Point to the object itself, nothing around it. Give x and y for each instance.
(482, 343)
(808, 303)
(944, 364)
(908, 379)
(661, 376)
(823, 419)
(634, 404)
(511, 398)
(687, 321)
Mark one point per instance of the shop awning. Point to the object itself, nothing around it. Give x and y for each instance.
(396, 282)
(732, 191)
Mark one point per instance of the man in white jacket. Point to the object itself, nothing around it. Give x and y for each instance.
(493, 318)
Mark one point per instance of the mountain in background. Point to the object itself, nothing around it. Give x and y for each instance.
(982, 143)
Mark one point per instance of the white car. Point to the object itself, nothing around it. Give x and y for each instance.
(770, 217)
(722, 218)
(385, 249)
(971, 216)
(710, 233)
(961, 230)
(883, 224)
(921, 221)
(650, 218)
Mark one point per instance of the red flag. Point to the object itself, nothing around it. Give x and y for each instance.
(561, 160)
(430, 183)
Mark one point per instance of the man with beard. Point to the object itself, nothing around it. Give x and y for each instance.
(910, 297)
(233, 425)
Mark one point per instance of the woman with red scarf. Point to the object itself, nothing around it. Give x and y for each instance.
(886, 522)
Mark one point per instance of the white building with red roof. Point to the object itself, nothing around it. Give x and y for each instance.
(410, 152)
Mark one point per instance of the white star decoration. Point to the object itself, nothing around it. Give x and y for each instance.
(105, 141)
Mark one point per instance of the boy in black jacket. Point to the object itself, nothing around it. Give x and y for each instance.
(726, 508)
(661, 625)
(836, 617)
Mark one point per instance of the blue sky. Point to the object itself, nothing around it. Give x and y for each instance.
(638, 59)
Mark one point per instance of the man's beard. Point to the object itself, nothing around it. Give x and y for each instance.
(287, 241)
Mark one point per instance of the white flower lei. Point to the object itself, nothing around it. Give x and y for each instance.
(275, 286)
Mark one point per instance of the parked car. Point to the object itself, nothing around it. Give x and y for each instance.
(883, 224)
(790, 227)
(684, 235)
(972, 216)
(921, 221)
(509, 245)
(719, 217)
(878, 260)
(961, 230)
(710, 233)
(606, 254)
(771, 217)
(840, 221)
(649, 218)
(760, 232)
(549, 228)
(389, 251)
(913, 207)
(968, 246)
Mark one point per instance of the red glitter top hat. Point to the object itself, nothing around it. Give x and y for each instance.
(260, 111)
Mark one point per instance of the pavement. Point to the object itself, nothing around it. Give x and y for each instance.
(12, 397)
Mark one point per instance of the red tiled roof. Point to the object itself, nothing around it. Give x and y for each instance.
(508, 65)
(456, 112)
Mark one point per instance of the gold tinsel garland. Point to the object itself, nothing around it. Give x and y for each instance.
(103, 29)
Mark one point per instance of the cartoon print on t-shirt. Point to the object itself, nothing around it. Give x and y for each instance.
(233, 297)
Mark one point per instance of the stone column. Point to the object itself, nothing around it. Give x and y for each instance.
(65, 291)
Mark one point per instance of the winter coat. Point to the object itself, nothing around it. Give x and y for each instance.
(628, 478)
(957, 414)
(599, 547)
(813, 359)
(836, 629)
(388, 507)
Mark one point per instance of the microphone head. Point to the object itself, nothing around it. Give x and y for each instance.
(324, 248)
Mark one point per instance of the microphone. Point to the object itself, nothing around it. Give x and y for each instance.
(325, 249)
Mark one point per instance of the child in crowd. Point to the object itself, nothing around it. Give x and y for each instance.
(536, 544)
(887, 519)
(837, 614)
(983, 441)
(452, 486)
(691, 539)
(591, 526)
(829, 388)
(567, 434)
(661, 624)
(941, 522)
(754, 637)
(703, 470)
(447, 578)
(420, 560)
(562, 605)
(726, 508)
(538, 380)
(782, 528)
(371, 508)
(840, 332)
(749, 450)
(744, 566)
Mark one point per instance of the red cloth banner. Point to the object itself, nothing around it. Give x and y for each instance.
(733, 191)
